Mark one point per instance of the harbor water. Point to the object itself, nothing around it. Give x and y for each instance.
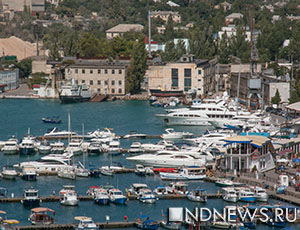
(123, 116)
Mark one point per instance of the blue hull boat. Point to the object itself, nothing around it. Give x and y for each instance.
(248, 199)
(102, 201)
(51, 120)
(120, 201)
(31, 203)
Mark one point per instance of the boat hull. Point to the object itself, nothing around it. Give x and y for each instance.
(9, 151)
(9, 176)
(31, 202)
(248, 199)
(119, 200)
(231, 199)
(73, 99)
(69, 202)
(102, 201)
(27, 151)
(29, 177)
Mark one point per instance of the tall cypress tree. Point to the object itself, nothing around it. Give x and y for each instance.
(137, 67)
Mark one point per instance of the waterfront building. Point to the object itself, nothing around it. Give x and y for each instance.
(186, 74)
(103, 76)
(287, 148)
(245, 153)
(119, 30)
(42, 91)
(9, 79)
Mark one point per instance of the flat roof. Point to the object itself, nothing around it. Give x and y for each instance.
(122, 28)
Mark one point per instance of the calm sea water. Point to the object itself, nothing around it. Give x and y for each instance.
(16, 116)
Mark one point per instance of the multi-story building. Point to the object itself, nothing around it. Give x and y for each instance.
(9, 79)
(165, 15)
(35, 6)
(101, 75)
(120, 29)
(186, 74)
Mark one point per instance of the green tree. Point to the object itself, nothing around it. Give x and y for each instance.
(239, 46)
(89, 46)
(276, 99)
(137, 67)
(224, 50)
(25, 67)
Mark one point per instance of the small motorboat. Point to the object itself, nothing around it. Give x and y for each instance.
(260, 193)
(95, 148)
(198, 195)
(106, 171)
(116, 196)
(92, 190)
(11, 146)
(67, 174)
(69, 198)
(81, 172)
(57, 147)
(40, 216)
(7, 224)
(147, 196)
(170, 225)
(101, 196)
(9, 172)
(140, 170)
(177, 188)
(52, 120)
(172, 135)
(134, 134)
(229, 194)
(44, 148)
(85, 223)
(94, 172)
(135, 147)
(184, 174)
(245, 195)
(65, 189)
(31, 198)
(224, 183)
(136, 187)
(160, 190)
(144, 222)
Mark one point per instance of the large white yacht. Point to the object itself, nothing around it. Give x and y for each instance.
(27, 146)
(166, 159)
(49, 163)
(10, 146)
(75, 147)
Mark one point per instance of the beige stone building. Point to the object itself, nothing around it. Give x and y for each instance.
(101, 75)
(165, 15)
(186, 74)
(35, 6)
(120, 29)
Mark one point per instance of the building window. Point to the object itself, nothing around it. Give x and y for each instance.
(174, 75)
(83, 71)
(120, 82)
(120, 90)
(83, 81)
(91, 82)
(98, 90)
(199, 71)
(199, 79)
(120, 71)
(76, 70)
(187, 79)
(112, 90)
(76, 82)
(106, 82)
(91, 71)
(105, 71)
(113, 82)
(99, 82)
(112, 71)
(99, 71)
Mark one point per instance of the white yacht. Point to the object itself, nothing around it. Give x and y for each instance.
(177, 188)
(72, 93)
(95, 148)
(260, 193)
(10, 146)
(161, 145)
(171, 134)
(44, 148)
(49, 163)
(57, 147)
(85, 223)
(29, 173)
(229, 194)
(27, 146)
(164, 159)
(136, 147)
(136, 187)
(56, 133)
(147, 196)
(184, 174)
(9, 172)
(112, 147)
(75, 147)
(101, 134)
(69, 198)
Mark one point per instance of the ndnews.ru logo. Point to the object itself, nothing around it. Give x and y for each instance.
(229, 214)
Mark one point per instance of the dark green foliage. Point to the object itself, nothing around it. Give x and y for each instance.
(276, 99)
(137, 67)
(25, 67)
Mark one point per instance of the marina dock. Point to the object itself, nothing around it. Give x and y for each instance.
(71, 226)
(90, 198)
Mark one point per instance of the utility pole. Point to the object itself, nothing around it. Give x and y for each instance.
(217, 83)
(149, 31)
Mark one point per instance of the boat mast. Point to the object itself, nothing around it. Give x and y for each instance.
(238, 89)
(82, 142)
(69, 127)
